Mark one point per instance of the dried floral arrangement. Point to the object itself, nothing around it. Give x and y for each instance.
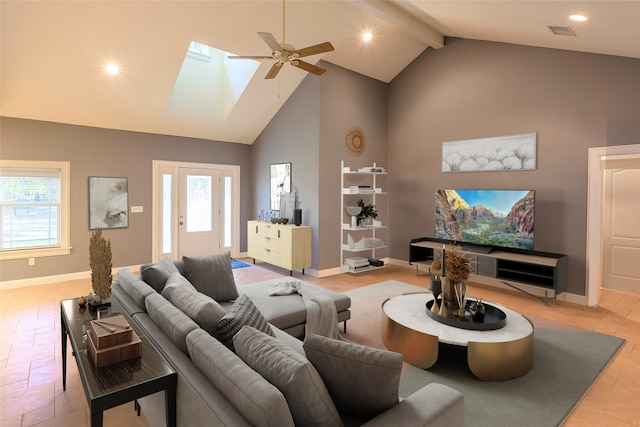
(100, 262)
(455, 270)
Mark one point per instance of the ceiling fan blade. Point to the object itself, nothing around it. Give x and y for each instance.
(273, 72)
(270, 41)
(314, 69)
(250, 57)
(315, 49)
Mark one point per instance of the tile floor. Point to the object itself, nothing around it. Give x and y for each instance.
(30, 370)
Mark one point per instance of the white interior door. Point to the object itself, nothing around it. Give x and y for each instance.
(621, 224)
(199, 212)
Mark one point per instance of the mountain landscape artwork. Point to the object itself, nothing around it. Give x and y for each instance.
(488, 217)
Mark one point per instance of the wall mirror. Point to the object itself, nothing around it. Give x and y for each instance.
(280, 183)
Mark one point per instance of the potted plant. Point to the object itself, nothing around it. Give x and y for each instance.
(368, 211)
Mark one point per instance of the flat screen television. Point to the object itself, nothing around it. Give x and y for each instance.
(502, 218)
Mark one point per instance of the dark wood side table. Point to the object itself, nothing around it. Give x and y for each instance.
(119, 383)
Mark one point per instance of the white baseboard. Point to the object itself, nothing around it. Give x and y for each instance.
(58, 278)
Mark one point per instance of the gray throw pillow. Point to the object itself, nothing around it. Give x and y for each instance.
(175, 324)
(203, 310)
(156, 275)
(174, 282)
(363, 381)
(254, 397)
(212, 275)
(243, 312)
(309, 401)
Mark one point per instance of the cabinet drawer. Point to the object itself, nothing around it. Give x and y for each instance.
(266, 230)
(268, 244)
(268, 255)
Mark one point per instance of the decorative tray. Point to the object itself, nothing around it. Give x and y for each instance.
(494, 318)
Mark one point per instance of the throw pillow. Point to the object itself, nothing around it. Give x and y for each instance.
(309, 401)
(176, 281)
(258, 400)
(363, 381)
(212, 275)
(175, 324)
(203, 310)
(156, 275)
(243, 312)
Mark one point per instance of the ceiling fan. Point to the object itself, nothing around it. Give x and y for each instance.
(284, 52)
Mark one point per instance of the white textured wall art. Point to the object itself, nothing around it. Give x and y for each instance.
(502, 153)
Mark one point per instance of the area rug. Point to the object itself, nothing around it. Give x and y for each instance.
(238, 264)
(566, 364)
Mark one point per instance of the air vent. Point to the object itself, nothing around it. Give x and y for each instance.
(561, 31)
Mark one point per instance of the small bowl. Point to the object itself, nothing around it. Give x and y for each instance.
(279, 220)
(354, 210)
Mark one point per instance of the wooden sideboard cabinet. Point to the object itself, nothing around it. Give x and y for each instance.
(285, 245)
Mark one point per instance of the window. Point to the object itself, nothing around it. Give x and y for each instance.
(34, 209)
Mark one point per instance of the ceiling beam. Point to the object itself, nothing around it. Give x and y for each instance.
(392, 14)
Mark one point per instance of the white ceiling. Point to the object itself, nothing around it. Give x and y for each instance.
(53, 53)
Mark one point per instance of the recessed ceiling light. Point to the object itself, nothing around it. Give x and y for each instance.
(580, 18)
(367, 36)
(112, 68)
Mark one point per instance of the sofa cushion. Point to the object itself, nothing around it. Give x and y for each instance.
(258, 400)
(174, 323)
(174, 282)
(134, 286)
(212, 275)
(243, 312)
(156, 275)
(203, 310)
(363, 381)
(295, 377)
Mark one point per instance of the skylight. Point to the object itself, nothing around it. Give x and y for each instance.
(208, 86)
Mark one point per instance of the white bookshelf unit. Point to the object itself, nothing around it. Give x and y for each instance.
(362, 243)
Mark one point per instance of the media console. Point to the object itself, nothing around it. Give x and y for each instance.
(509, 266)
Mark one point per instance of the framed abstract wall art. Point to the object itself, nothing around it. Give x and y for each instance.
(502, 153)
(108, 202)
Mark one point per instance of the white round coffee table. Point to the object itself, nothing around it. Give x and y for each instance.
(494, 355)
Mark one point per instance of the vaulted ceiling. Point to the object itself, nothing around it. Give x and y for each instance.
(54, 53)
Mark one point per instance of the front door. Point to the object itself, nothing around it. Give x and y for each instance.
(199, 212)
(621, 224)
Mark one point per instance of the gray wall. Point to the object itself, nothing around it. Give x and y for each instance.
(309, 132)
(107, 152)
(291, 136)
(474, 89)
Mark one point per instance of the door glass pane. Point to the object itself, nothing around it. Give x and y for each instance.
(227, 211)
(198, 203)
(166, 213)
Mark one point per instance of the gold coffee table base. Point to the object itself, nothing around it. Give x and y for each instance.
(488, 361)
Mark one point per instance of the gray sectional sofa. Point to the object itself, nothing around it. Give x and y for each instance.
(220, 387)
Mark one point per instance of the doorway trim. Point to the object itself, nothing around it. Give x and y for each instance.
(595, 201)
(157, 166)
